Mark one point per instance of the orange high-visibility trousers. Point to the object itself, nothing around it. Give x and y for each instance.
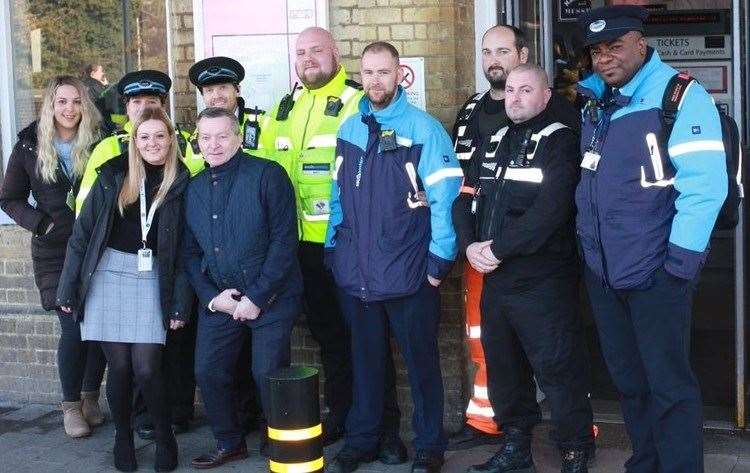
(479, 413)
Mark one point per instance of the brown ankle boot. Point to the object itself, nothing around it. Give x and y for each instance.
(75, 425)
(90, 408)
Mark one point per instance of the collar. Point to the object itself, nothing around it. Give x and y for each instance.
(333, 87)
(128, 128)
(595, 87)
(397, 107)
(223, 169)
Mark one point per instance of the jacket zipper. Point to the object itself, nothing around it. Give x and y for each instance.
(302, 150)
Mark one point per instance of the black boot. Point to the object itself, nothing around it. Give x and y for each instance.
(574, 461)
(124, 450)
(514, 455)
(166, 452)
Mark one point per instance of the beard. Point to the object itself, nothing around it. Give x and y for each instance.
(381, 98)
(496, 77)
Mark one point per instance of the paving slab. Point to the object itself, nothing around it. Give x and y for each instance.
(32, 440)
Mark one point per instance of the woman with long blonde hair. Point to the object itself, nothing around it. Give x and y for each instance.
(122, 280)
(47, 162)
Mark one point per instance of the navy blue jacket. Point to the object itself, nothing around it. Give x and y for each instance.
(384, 243)
(647, 205)
(241, 232)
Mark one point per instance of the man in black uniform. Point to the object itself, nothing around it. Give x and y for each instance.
(504, 47)
(514, 219)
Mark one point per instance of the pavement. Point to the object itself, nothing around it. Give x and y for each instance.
(32, 440)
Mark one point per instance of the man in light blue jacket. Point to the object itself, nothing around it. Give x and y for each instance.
(390, 242)
(646, 206)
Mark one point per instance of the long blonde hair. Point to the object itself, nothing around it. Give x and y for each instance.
(136, 171)
(86, 136)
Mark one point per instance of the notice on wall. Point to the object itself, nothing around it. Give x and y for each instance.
(413, 82)
(570, 10)
(261, 36)
(692, 48)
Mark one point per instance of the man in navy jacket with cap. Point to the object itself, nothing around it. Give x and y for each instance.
(646, 207)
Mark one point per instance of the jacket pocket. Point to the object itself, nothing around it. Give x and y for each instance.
(345, 267)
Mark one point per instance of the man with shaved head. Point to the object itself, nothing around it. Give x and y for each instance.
(514, 220)
(504, 47)
(300, 134)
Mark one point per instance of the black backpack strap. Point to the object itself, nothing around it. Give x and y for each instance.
(670, 104)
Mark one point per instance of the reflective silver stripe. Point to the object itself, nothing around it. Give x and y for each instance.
(322, 141)
(475, 332)
(441, 174)
(348, 94)
(543, 133)
(738, 177)
(496, 138)
(405, 142)
(696, 146)
(283, 143)
(339, 161)
(461, 131)
(480, 392)
(467, 155)
(534, 175)
(476, 409)
(314, 218)
(660, 183)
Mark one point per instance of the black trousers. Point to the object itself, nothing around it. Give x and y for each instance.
(645, 339)
(329, 329)
(80, 364)
(537, 332)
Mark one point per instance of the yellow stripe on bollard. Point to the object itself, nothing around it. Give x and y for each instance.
(295, 435)
(306, 467)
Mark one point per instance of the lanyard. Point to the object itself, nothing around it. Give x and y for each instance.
(147, 217)
(600, 133)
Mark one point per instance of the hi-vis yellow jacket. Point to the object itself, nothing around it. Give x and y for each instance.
(304, 143)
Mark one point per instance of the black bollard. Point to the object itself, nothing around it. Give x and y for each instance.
(294, 429)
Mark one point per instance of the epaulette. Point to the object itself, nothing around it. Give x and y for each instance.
(353, 83)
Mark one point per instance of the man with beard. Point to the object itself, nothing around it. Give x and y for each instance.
(300, 134)
(390, 243)
(504, 47)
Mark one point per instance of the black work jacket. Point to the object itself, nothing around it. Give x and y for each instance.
(523, 201)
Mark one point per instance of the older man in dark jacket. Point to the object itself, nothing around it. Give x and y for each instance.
(241, 256)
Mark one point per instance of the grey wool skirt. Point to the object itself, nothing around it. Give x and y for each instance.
(123, 304)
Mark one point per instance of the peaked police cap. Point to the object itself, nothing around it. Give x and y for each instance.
(216, 70)
(145, 82)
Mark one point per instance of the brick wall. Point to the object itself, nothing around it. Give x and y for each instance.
(441, 31)
(28, 335)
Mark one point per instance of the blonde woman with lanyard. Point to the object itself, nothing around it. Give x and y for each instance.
(47, 162)
(121, 277)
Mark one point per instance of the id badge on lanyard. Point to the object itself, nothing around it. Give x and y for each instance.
(145, 255)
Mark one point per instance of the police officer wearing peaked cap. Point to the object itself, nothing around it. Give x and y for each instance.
(646, 206)
(218, 80)
(145, 82)
(216, 70)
